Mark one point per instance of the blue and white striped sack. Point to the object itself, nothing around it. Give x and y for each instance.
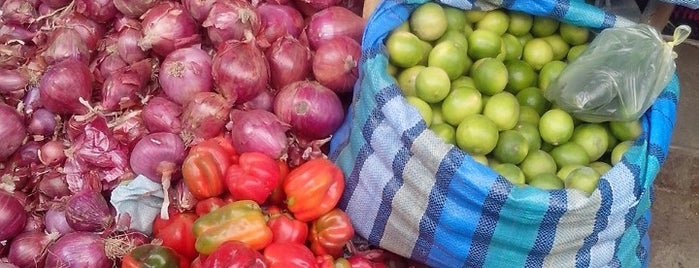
(410, 193)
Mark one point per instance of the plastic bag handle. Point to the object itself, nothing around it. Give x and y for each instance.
(681, 33)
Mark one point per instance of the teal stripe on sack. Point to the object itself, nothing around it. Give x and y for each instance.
(517, 229)
(490, 215)
(547, 229)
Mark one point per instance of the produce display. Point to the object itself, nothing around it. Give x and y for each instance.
(215, 114)
(478, 79)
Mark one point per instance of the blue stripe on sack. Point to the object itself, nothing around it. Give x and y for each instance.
(393, 185)
(447, 168)
(486, 224)
(609, 20)
(582, 259)
(641, 252)
(547, 230)
(560, 10)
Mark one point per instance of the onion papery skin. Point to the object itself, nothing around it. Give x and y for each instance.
(122, 88)
(134, 8)
(127, 42)
(198, 9)
(66, 43)
(62, 86)
(331, 22)
(90, 31)
(88, 211)
(162, 115)
(258, 131)
(154, 149)
(230, 20)
(335, 63)
(78, 249)
(55, 220)
(185, 72)
(28, 249)
(12, 132)
(313, 110)
(101, 11)
(13, 217)
(240, 71)
(166, 27)
(204, 117)
(289, 61)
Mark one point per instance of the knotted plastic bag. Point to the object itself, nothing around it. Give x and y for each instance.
(619, 75)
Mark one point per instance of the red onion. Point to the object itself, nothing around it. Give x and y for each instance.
(289, 61)
(158, 156)
(28, 153)
(10, 32)
(51, 153)
(56, 4)
(198, 9)
(78, 249)
(53, 185)
(109, 65)
(63, 85)
(101, 11)
(13, 217)
(162, 115)
(55, 221)
(263, 101)
(279, 20)
(204, 117)
(335, 63)
(240, 71)
(66, 43)
(121, 89)
(31, 100)
(35, 222)
(11, 80)
(313, 110)
(185, 72)
(119, 243)
(310, 7)
(45, 10)
(88, 211)
(134, 8)
(167, 27)
(28, 249)
(12, 131)
(230, 19)
(90, 31)
(258, 131)
(43, 123)
(18, 12)
(129, 128)
(182, 197)
(127, 43)
(331, 22)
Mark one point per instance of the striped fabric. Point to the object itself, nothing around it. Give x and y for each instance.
(410, 193)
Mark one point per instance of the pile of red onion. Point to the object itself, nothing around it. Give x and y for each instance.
(96, 92)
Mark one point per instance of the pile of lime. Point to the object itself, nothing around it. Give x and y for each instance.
(478, 80)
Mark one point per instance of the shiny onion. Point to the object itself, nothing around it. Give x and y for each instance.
(13, 217)
(12, 131)
(66, 43)
(13, 79)
(127, 42)
(279, 20)
(87, 210)
(90, 31)
(78, 249)
(313, 110)
(230, 20)
(167, 27)
(121, 89)
(310, 7)
(162, 115)
(63, 85)
(185, 72)
(101, 11)
(134, 8)
(28, 249)
(55, 220)
(198, 9)
(240, 71)
(18, 12)
(204, 117)
(289, 61)
(258, 131)
(331, 22)
(335, 63)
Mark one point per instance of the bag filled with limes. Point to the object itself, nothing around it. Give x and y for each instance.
(412, 192)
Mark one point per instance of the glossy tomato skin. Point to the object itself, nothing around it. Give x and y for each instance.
(289, 255)
(176, 233)
(234, 254)
(330, 232)
(254, 177)
(204, 168)
(285, 228)
(313, 189)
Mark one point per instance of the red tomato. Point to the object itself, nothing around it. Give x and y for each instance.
(176, 233)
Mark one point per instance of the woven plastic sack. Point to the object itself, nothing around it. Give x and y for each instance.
(410, 193)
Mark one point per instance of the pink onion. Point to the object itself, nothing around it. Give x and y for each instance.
(198, 9)
(230, 19)
(263, 101)
(332, 22)
(240, 71)
(10, 32)
(167, 27)
(43, 123)
(63, 85)
(90, 31)
(18, 12)
(13, 79)
(53, 185)
(127, 43)
(258, 131)
(335, 63)
(55, 221)
(313, 110)
(204, 117)
(158, 156)
(28, 153)
(310, 7)
(185, 72)
(121, 89)
(51, 153)
(162, 115)
(78, 249)
(129, 128)
(87, 210)
(109, 65)
(12, 131)
(56, 4)
(279, 20)
(289, 61)
(182, 197)
(134, 8)
(66, 43)
(28, 249)
(101, 11)
(31, 100)
(34, 223)
(13, 217)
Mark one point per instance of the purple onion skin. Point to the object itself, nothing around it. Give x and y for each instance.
(167, 27)
(78, 249)
(258, 131)
(88, 211)
(43, 122)
(162, 115)
(28, 249)
(154, 149)
(289, 61)
(12, 132)
(11, 80)
(198, 9)
(229, 20)
(204, 117)
(313, 110)
(185, 72)
(62, 86)
(331, 22)
(55, 221)
(101, 11)
(134, 9)
(13, 217)
(240, 71)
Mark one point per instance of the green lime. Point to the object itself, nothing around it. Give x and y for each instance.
(619, 151)
(528, 114)
(461, 102)
(569, 153)
(556, 126)
(428, 21)
(601, 167)
(510, 172)
(468, 30)
(593, 138)
(584, 179)
(520, 23)
(403, 27)
(391, 69)
(534, 97)
(463, 81)
(503, 110)
(564, 171)
(480, 159)
(611, 139)
(626, 130)
(559, 46)
(432, 84)
(405, 49)
(477, 134)
(490, 76)
(547, 181)
(524, 39)
(495, 21)
(422, 107)
(513, 49)
(450, 57)
(456, 18)
(444, 131)
(537, 52)
(549, 73)
(455, 36)
(406, 79)
(574, 35)
(520, 75)
(437, 117)
(473, 16)
(483, 44)
(537, 162)
(575, 51)
(544, 26)
(512, 147)
(531, 133)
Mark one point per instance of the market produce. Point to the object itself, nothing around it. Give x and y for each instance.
(478, 79)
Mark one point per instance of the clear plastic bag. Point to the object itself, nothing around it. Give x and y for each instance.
(619, 75)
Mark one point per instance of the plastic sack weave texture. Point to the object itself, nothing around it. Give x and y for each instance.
(409, 192)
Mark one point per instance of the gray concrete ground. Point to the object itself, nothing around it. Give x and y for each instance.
(674, 233)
